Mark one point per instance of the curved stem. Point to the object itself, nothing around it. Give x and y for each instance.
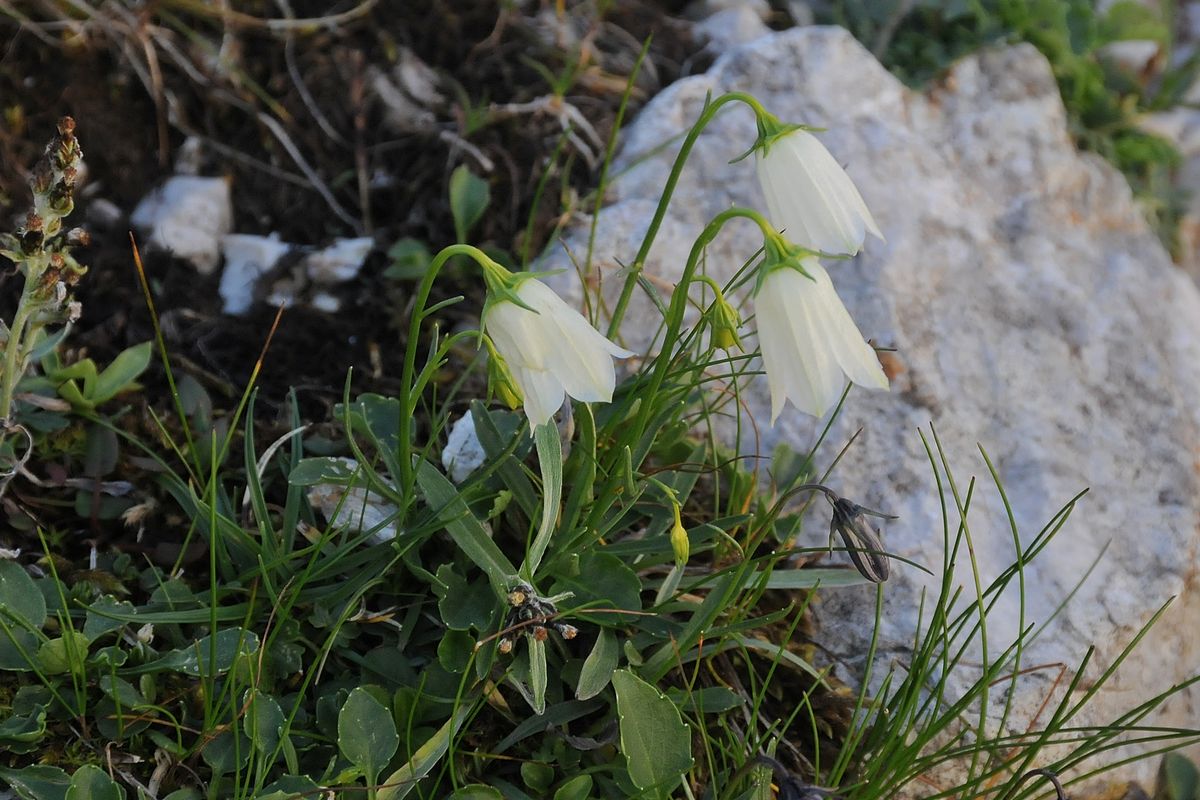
(408, 396)
(639, 261)
(679, 296)
(816, 487)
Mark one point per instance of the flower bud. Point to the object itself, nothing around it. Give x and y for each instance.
(500, 379)
(680, 544)
(862, 542)
(724, 322)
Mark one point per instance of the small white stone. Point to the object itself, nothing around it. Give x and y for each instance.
(103, 213)
(463, 453)
(247, 259)
(324, 301)
(355, 508)
(188, 216)
(339, 262)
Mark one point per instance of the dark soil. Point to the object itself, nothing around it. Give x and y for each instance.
(316, 82)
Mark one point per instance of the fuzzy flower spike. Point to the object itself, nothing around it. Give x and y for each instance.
(809, 196)
(549, 348)
(810, 344)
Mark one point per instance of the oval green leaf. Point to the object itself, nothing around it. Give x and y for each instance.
(598, 667)
(656, 743)
(366, 733)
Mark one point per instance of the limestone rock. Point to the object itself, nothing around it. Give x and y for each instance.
(463, 453)
(188, 216)
(247, 258)
(1032, 311)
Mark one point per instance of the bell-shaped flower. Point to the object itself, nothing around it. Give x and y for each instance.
(810, 345)
(549, 348)
(809, 196)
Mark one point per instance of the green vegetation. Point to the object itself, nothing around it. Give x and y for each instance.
(1104, 99)
(605, 607)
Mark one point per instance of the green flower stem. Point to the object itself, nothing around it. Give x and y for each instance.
(408, 400)
(662, 363)
(13, 351)
(679, 297)
(639, 261)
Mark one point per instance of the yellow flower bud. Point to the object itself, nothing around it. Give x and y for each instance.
(679, 538)
(724, 322)
(500, 379)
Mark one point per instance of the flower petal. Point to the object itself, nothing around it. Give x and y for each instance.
(517, 334)
(798, 366)
(811, 197)
(579, 356)
(842, 336)
(542, 391)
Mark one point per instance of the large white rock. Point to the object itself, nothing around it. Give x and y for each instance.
(1033, 312)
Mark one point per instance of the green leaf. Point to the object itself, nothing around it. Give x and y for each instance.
(63, 654)
(366, 733)
(708, 700)
(24, 728)
(263, 722)
(657, 745)
(119, 376)
(463, 605)
(227, 751)
(455, 649)
(96, 624)
(410, 260)
(466, 531)
(20, 597)
(603, 581)
(123, 692)
(38, 782)
(598, 667)
(476, 791)
(311, 471)
(1178, 779)
(469, 198)
(578, 788)
(289, 787)
(188, 793)
(196, 659)
(549, 448)
(18, 649)
(538, 776)
(404, 780)
(92, 783)
(537, 674)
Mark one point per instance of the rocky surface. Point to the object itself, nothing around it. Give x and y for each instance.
(1033, 312)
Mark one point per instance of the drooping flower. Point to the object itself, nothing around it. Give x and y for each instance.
(809, 196)
(810, 344)
(549, 347)
(862, 542)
